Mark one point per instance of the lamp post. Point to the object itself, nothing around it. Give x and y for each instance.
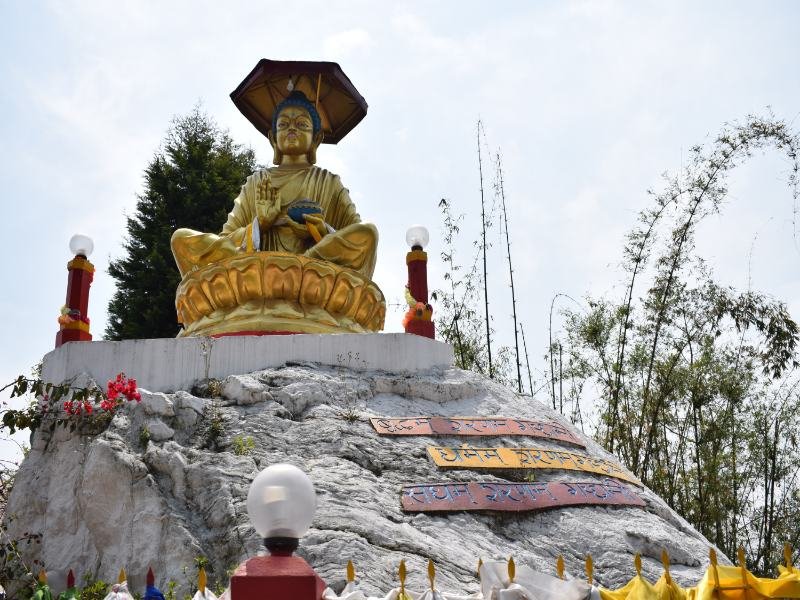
(281, 504)
(74, 320)
(418, 318)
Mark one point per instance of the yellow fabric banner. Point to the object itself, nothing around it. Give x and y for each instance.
(729, 583)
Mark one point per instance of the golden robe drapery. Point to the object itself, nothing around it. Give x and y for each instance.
(352, 244)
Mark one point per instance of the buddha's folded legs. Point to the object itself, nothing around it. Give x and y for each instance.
(354, 246)
(193, 249)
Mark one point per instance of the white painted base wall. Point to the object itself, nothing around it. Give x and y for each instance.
(166, 365)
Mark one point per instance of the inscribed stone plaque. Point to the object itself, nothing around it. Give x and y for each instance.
(474, 426)
(467, 457)
(438, 497)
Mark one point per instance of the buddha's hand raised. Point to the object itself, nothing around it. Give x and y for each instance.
(268, 204)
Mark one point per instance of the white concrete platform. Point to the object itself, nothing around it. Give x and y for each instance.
(166, 365)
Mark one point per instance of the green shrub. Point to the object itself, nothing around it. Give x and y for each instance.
(243, 445)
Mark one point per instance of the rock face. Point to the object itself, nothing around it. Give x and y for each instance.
(118, 499)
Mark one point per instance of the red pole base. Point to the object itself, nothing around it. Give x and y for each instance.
(72, 335)
(79, 280)
(276, 578)
(423, 328)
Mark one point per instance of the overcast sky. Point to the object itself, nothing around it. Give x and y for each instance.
(589, 101)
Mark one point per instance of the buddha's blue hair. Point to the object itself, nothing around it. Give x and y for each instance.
(298, 98)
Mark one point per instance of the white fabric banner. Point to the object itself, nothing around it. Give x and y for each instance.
(528, 585)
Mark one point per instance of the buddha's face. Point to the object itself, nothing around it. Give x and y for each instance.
(294, 133)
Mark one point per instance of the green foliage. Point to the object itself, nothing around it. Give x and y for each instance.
(214, 388)
(170, 593)
(215, 426)
(697, 382)
(93, 589)
(46, 401)
(243, 445)
(207, 388)
(458, 318)
(144, 436)
(219, 587)
(349, 413)
(14, 572)
(190, 182)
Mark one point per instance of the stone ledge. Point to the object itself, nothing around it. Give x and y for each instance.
(166, 365)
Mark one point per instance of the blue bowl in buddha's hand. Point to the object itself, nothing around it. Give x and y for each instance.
(298, 210)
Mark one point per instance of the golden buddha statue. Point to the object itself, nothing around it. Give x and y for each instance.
(293, 255)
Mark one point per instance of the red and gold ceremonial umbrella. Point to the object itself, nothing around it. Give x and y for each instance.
(338, 102)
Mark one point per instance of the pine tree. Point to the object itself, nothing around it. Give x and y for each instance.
(191, 182)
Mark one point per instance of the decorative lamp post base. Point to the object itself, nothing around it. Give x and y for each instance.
(74, 321)
(423, 328)
(72, 335)
(418, 318)
(275, 578)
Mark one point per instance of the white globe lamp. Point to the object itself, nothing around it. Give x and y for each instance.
(281, 505)
(417, 237)
(81, 245)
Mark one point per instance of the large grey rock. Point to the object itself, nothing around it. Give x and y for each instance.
(157, 403)
(103, 502)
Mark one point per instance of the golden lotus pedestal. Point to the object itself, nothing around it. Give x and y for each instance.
(277, 292)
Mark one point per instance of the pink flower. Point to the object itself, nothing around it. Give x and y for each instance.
(121, 385)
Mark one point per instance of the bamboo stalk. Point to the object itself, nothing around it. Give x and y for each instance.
(483, 248)
(501, 188)
(527, 359)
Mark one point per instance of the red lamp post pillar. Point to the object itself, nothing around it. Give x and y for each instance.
(418, 318)
(74, 325)
(417, 262)
(276, 577)
(281, 504)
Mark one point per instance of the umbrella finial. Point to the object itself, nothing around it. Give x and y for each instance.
(637, 562)
(42, 577)
(351, 572)
(431, 572)
(122, 576)
(151, 577)
(70, 579)
(290, 85)
(480, 564)
(560, 566)
(512, 569)
(787, 556)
